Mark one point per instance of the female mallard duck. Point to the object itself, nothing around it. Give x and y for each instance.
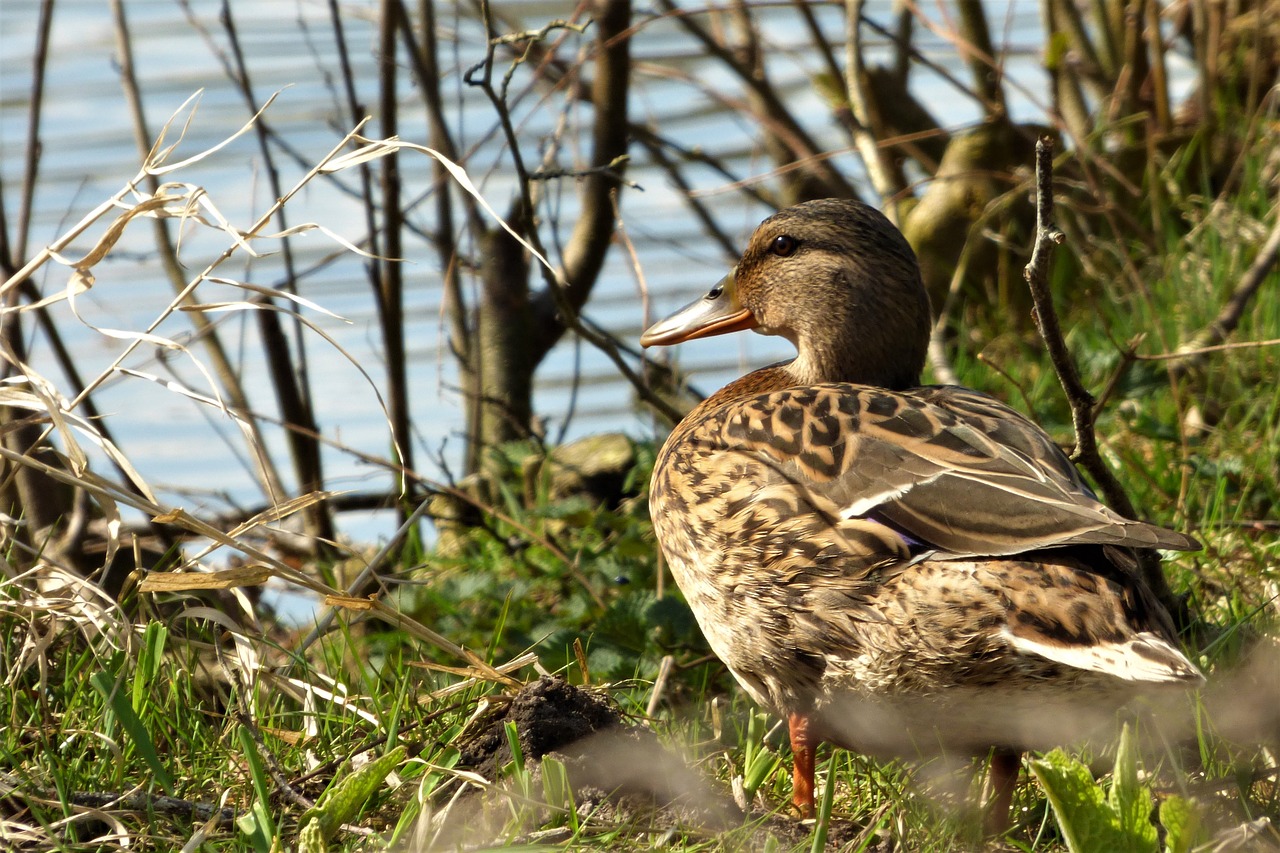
(892, 568)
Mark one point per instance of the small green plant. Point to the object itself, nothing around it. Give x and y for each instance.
(346, 796)
(1116, 817)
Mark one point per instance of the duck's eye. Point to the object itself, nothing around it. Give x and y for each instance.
(783, 246)
(715, 292)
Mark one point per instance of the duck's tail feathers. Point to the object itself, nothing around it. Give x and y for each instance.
(1142, 657)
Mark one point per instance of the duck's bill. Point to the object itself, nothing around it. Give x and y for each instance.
(717, 313)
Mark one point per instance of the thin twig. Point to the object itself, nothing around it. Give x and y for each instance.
(133, 801)
(874, 158)
(389, 292)
(1208, 339)
(31, 161)
(1083, 412)
(768, 106)
(1046, 318)
(1189, 353)
(289, 372)
(556, 284)
(265, 469)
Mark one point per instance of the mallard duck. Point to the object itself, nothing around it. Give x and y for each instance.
(892, 568)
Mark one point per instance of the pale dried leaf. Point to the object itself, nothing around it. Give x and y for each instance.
(347, 602)
(281, 510)
(178, 388)
(224, 579)
(155, 160)
(276, 293)
(113, 233)
(376, 148)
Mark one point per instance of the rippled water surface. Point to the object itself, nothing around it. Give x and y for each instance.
(88, 152)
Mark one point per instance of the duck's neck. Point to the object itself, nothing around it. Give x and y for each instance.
(813, 366)
(775, 377)
(803, 370)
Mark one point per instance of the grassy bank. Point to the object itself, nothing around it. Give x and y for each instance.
(181, 721)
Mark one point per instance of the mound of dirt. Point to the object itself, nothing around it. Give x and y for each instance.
(550, 715)
(619, 772)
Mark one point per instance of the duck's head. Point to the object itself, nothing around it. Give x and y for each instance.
(834, 277)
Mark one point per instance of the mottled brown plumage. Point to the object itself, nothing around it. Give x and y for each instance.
(896, 569)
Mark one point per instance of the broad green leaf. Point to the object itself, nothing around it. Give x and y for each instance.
(262, 828)
(257, 825)
(1129, 799)
(311, 838)
(347, 794)
(1087, 823)
(1180, 818)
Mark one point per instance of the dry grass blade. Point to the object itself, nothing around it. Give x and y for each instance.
(155, 163)
(375, 149)
(190, 581)
(338, 348)
(114, 232)
(106, 492)
(470, 678)
(280, 511)
(48, 600)
(348, 602)
(272, 292)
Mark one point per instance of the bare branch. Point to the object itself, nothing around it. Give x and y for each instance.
(390, 285)
(592, 233)
(1083, 413)
(779, 122)
(876, 160)
(978, 51)
(1207, 340)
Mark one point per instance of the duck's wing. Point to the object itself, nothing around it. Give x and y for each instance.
(955, 471)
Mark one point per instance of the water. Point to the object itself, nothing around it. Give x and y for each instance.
(193, 454)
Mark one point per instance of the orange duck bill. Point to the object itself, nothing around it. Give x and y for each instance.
(717, 313)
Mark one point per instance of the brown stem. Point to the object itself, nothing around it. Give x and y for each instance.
(288, 370)
(1086, 66)
(1083, 412)
(31, 160)
(24, 492)
(867, 124)
(390, 291)
(657, 148)
(1046, 318)
(553, 279)
(593, 232)
(1229, 316)
(425, 62)
(980, 54)
(356, 112)
(771, 108)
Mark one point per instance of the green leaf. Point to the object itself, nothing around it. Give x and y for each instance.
(150, 658)
(557, 790)
(123, 710)
(258, 826)
(261, 826)
(823, 823)
(1091, 820)
(1180, 818)
(1129, 799)
(348, 793)
(311, 838)
(1086, 822)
